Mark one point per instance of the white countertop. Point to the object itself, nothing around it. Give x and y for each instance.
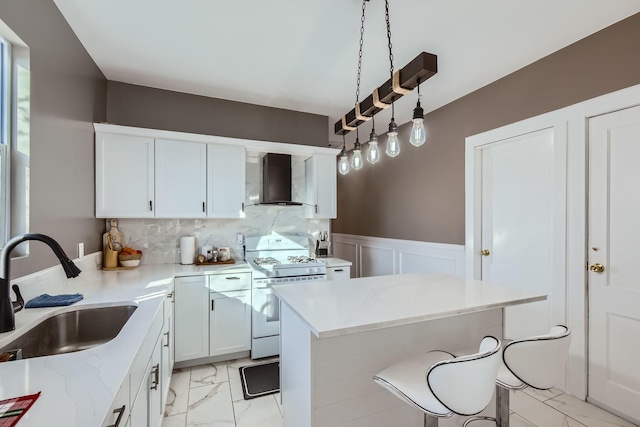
(78, 388)
(336, 262)
(343, 307)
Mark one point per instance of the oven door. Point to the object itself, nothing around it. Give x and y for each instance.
(265, 318)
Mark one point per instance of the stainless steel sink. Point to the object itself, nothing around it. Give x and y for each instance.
(71, 331)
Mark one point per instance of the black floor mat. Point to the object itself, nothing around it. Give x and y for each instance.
(260, 380)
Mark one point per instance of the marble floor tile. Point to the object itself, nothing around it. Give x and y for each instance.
(261, 411)
(178, 420)
(587, 414)
(543, 395)
(178, 396)
(514, 421)
(539, 414)
(235, 383)
(208, 374)
(210, 406)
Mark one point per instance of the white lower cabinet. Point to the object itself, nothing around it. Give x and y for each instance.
(212, 315)
(191, 318)
(338, 273)
(146, 410)
(168, 338)
(229, 321)
(142, 396)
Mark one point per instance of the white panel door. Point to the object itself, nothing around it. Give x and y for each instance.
(614, 233)
(124, 176)
(517, 225)
(181, 179)
(225, 181)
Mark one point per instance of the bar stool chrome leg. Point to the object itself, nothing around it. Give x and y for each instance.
(502, 410)
(430, 421)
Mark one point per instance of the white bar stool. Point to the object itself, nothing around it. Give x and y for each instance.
(535, 362)
(440, 384)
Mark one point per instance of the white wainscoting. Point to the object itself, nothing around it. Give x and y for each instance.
(377, 256)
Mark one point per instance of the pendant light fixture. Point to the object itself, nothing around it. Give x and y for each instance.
(418, 134)
(393, 145)
(402, 82)
(343, 163)
(373, 155)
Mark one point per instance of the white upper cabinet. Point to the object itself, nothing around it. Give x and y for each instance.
(124, 176)
(181, 179)
(225, 181)
(150, 173)
(321, 186)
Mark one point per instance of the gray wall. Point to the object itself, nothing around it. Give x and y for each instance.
(419, 195)
(68, 94)
(146, 107)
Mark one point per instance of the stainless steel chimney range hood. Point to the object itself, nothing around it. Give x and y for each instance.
(276, 180)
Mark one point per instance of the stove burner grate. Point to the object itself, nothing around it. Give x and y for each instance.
(266, 261)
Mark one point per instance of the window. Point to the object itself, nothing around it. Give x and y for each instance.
(15, 99)
(5, 103)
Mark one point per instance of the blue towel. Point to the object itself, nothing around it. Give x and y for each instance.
(46, 300)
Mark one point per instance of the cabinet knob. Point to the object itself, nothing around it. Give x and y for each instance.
(485, 252)
(597, 268)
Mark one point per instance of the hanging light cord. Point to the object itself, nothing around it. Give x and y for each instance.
(364, 6)
(386, 15)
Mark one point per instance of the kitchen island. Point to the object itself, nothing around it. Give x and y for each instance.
(336, 335)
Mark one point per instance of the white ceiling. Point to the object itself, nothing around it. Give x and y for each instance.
(302, 55)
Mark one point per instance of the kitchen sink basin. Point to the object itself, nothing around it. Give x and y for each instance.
(69, 332)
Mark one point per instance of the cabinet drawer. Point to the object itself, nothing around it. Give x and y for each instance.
(230, 282)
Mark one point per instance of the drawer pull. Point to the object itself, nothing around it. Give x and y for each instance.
(213, 304)
(232, 278)
(156, 376)
(170, 295)
(120, 412)
(167, 334)
(338, 270)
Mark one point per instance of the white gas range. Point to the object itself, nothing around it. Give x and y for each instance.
(276, 259)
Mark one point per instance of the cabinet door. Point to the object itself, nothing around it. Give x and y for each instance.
(226, 181)
(156, 408)
(191, 318)
(230, 322)
(181, 179)
(124, 176)
(321, 186)
(167, 346)
(338, 273)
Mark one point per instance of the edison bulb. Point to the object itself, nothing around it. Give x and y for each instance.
(373, 155)
(418, 135)
(393, 145)
(343, 164)
(356, 160)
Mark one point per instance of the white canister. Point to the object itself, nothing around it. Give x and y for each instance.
(187, 250)
(205, 249)
(224, 254)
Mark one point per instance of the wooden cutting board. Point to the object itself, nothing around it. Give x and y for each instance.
(117, 235)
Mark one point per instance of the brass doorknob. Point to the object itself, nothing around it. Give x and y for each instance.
(485, 252)
(597, 268)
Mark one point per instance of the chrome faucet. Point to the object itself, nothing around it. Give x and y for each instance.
(7, 313)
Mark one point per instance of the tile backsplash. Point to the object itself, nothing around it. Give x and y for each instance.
(159, 239)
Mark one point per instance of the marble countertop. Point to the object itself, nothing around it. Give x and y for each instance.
(78, 388)
(336, 262)
(364, 304)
